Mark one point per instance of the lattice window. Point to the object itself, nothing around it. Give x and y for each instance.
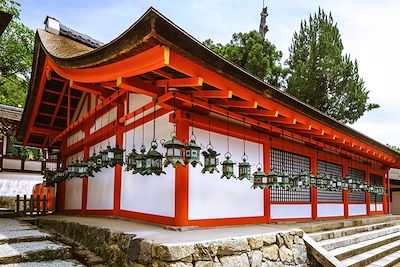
(292, 164)
(330, 196)
(330, 169)
(359, 175)
(376, 198)
(282, 195)
(375, 179)
(356, 197)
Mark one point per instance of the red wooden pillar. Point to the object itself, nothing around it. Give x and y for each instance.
(367, 194)
(267, 192)
(388, 191)
(86, 155)
(345, 167)
(119, 138)
(314, 190)
(182, 180)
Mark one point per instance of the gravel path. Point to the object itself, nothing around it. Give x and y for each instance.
(24, 233)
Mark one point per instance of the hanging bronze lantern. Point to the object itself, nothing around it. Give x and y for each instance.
(131, 161)
(227, 167)
(313, 180)
(154, 161)
(326, 181)
(302, 180)
(141, 161)
(93, 165)
(49, 177)
(192, 151)
(174, 152)
(273, 180)
(244, 169)
(116, 156)
(319, 180)
(60, 174)
(210, 160)
(104, 157)
(83, 169)
(285, 182)
(260, 179)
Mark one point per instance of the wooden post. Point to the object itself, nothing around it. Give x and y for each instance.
(37, 204)
(314, 190)
(345, 171)
(44, 204)
(24, 210)
(31, 205)
(17, 204)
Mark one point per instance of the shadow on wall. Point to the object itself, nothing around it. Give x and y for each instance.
(395, 203)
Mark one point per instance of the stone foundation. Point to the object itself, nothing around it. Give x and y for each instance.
(286, 248)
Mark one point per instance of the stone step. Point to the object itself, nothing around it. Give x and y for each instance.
(371, 256)
(319, 236)
(55, 263)
(33, 251)
(389, 260)
(13, 236)
(361, 247)
(335, 243)
(340, 224)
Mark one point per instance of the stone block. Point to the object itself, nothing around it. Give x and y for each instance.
(270, 252)
(172, 252)
(232, 246)
(235, 261)
(286, 255)
(299, 254)
(205, 251)
(256, 259)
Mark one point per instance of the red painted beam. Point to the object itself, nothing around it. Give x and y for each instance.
(88, 115)
(100, 91)
(180, 82)
(136, 85)
(213, 94)
(234, 103)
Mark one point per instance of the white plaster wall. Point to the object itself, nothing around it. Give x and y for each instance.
(212, 197)
(136, 101)
(73, 188)
(379, 207)
(15, 183)
(395, 204)
(283, 211)
(105, 119)
(101, 187)
(32, 165)
(372, 207)
(73, 194)
(76, 137)
(357, 209)
(149, 194)
(329, 210)
(12, 164)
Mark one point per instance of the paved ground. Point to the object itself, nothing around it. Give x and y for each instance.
(21, 243)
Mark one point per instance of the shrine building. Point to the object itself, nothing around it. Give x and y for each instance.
(192, 118)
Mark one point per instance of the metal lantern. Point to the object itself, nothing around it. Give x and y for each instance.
(154, 161)
(105, 161)
(361, 185)
(244, 169)
(227, 167)
(73, 169)
(210, 160)
(131, 161)
(60, 174)
(83, 169)
(381, 190)
(339, 181)
(260, 179)
(192, 151)
(49, 177)
(345, 183)
(326, 181)
(92, 164)
(273, 180)
(174, 152)
(319, 181)
(141, 161)
(285, 180)
(301, 180)
(332, 184)
(313, 179)
(116, 156)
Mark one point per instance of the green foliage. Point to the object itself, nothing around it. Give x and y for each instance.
(321, 76)
(16, 52)
(254, 54)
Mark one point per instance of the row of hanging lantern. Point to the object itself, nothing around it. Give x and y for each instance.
(181, 154)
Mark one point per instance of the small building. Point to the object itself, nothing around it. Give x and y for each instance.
(154, 85)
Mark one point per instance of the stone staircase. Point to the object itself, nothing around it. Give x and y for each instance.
(22, 244)
(373, 241)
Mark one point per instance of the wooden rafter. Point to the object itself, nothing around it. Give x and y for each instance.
(180, 82)
(100, 91)
(213, 94)
(234, 103)
(136, 85)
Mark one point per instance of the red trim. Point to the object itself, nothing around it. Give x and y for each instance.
(346, 203)
(291, 219)
(118, 169)
(182, 180)
(147, 217)
(227, 221)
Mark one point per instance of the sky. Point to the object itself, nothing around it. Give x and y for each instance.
(369, 31)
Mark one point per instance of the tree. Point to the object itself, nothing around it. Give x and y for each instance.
(319, 73)
(16, 52)
(254, 54)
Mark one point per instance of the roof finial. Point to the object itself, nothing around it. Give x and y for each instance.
(263, 22)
